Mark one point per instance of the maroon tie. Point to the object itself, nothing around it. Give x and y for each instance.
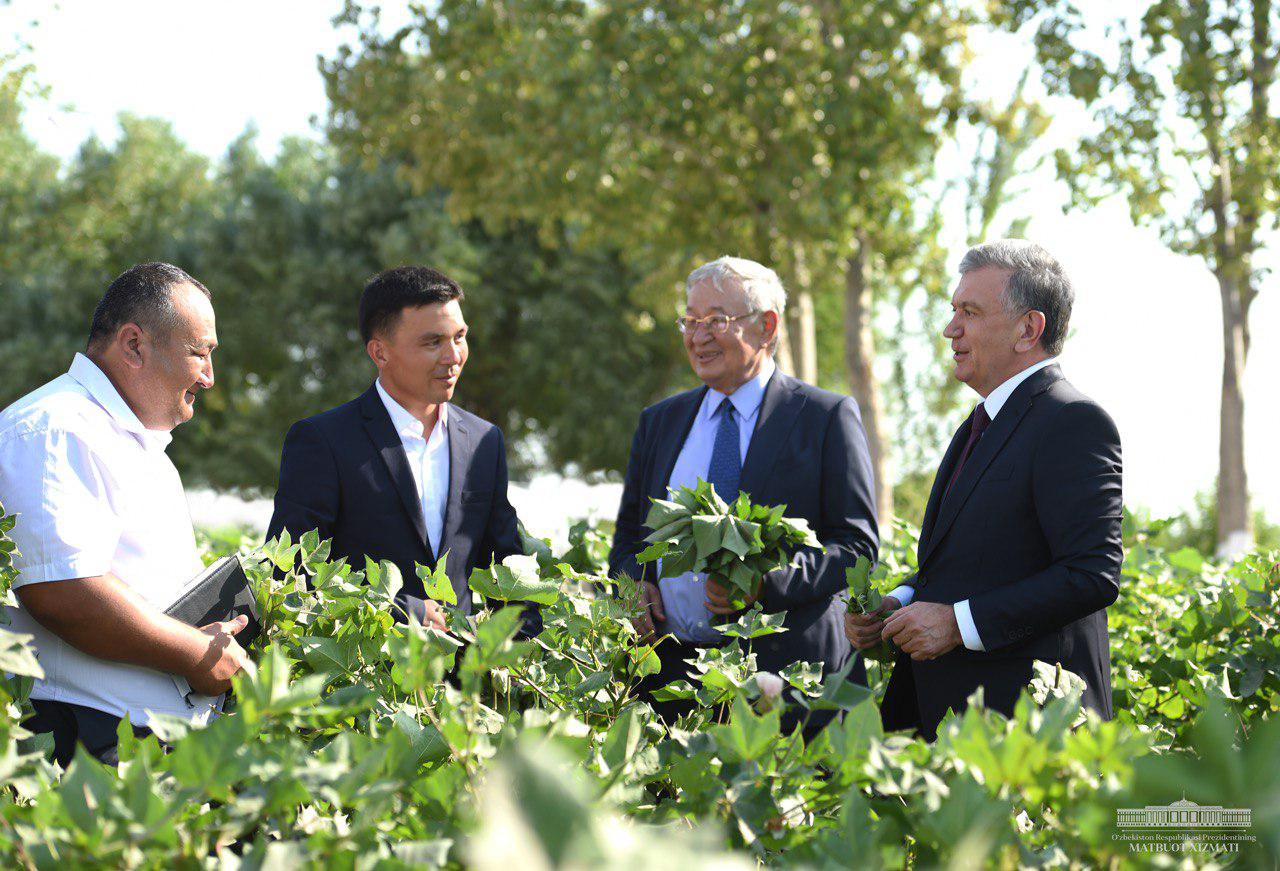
(980, 422)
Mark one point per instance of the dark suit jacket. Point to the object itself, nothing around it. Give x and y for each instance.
(1030, 535)
(345, 474)
(808, 452)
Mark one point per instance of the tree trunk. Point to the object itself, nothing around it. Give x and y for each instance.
(1235, 533)
(802, 328)
(801, 319)
(782, 352)
(859, 355)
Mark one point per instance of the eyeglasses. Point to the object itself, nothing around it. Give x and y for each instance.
(717, 324)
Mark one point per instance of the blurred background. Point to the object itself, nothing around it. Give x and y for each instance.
(570, 162)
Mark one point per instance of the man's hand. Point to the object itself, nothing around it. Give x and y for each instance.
(646, 621)
(104, 618)
(433, 615)
(718, 598)
(863, 630)
(223, 658)
(924, 630)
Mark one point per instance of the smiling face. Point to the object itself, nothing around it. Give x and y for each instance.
(177, 366)
(726, 361)
(421, 355)
(988, 344)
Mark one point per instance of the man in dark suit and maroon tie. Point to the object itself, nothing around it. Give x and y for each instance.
(1020, 548)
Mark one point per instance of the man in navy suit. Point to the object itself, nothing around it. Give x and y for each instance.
(754, 429)
(399, 473)
(1020, 548)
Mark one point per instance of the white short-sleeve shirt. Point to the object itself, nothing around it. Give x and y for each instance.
(95, 492)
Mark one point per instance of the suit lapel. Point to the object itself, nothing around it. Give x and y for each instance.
(670, 440)
(986, 450)
(940, 480)
(386, 440)
(779, 411)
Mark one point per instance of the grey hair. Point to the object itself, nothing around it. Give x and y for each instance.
(1037, 282)
(761, 284)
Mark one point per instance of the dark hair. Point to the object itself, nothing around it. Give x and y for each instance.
(389, 293)
(141, 295)
(1037, 282)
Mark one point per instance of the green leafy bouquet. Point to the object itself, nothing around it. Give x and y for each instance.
(736, 543)
(863, 594)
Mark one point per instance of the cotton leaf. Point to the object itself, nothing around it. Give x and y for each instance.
(436, 584)
(500, 583)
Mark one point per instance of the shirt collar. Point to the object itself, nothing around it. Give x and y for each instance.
(100, 389)
(405, 423)
(747, 398)
(997, 398)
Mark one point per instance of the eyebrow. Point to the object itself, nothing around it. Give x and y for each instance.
(428, 336)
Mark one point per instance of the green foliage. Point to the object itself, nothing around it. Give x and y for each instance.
(1197, 527)
(863, 594)
(285, 246)
(350, 746)
(671, 132)
(738, 543)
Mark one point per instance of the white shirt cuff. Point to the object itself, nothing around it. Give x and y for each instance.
(904, 594)
(968, 629)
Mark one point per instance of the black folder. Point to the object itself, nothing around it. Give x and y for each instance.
(221, 592)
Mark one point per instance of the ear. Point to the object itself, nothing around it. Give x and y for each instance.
(1030, 329)
(132, 344)
(769, 326)
(377, 352)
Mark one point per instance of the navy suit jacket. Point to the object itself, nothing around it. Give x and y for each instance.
(808, 452)
(345, 474)
(1030, 535)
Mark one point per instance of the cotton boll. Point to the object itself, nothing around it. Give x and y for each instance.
(770, 686)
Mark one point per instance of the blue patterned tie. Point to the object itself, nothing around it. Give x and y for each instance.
(726, 457)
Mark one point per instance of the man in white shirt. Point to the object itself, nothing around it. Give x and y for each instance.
(103, 530)
(1020, 547)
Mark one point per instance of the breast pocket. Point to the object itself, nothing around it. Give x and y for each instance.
(475, 498)
(998, 472)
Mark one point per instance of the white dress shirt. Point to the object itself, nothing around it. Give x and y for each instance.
(684, 598)
(95, 492)
(428, 457)
(994, 401)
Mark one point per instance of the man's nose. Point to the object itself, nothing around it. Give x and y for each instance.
(952, 329)
(206, 376)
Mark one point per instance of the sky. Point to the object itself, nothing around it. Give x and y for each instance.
(1146, 331)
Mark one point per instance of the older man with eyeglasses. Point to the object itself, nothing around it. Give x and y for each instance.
(750, 428)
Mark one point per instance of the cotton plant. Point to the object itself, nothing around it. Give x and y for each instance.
(737, 542)
(409, 747)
